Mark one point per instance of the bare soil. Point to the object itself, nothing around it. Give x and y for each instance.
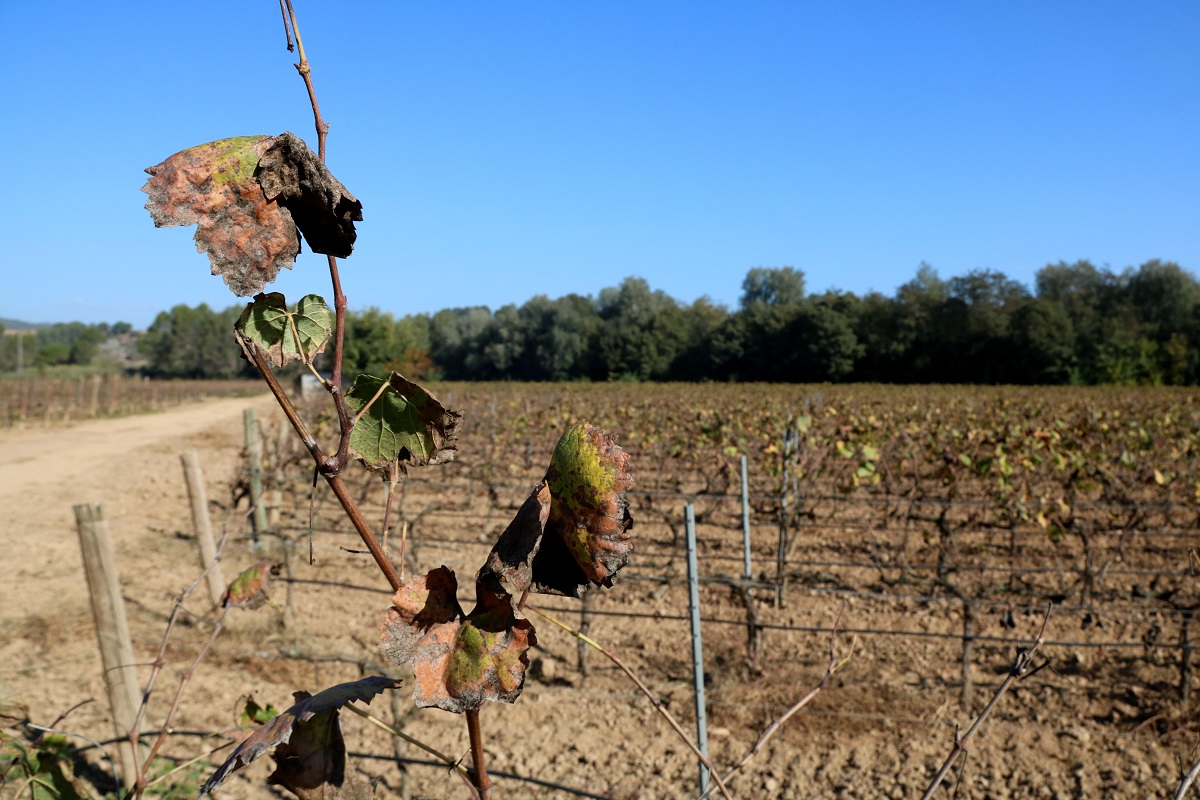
(880, 729)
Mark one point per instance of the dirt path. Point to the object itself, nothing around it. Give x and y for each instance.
(130, 465)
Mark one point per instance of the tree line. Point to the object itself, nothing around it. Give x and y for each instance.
(64, 343)
(1078, 324)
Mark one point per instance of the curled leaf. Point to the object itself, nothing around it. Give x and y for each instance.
(247, 237)
(249, 588)
(292, 175)
(459, 660)
(284, 334)
(279, 730)
(509, 566)
(589, 516)
(574, 528)
(312, 763)
(403, 423)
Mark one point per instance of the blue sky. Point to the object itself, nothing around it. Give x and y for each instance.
(503, 150)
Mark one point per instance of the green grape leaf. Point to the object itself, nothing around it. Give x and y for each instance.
(273, 328)
(403, 423)
(247, 237)
(279, 730)
(254, 714)
(460, 661)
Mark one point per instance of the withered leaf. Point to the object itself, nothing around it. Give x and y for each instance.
(292, 174)
(589, 520)
(249, 588)
(274, 328)
(459, 660)
(279, 730)
(247, 237)
(404, 424)
(509, 566)
(312, 763)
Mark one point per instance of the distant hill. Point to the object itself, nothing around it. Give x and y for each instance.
(19, 325)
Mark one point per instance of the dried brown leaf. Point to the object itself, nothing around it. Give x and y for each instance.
(292, 174)
(510, 564)
(312, 763)
(459, 660)
(247, 237)
(279, 730)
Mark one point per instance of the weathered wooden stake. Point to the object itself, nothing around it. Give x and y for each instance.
(112, 631)
(194, 477)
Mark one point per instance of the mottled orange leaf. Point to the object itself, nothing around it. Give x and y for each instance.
(589, 517)
(247, 196)
(247, 237)
(574, 529)
(280, 729)
(459, 660)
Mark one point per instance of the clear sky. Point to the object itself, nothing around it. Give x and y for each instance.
(503, 150)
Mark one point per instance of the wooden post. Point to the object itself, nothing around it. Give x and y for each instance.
(1185, 659)
(94, 406)
(254, 452)
(968, 638)
(194, 477)
(112, 631)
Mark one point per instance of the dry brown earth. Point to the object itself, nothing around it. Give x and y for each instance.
(879, 731)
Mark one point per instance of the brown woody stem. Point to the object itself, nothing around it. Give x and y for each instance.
(482, 782)
(364, 530)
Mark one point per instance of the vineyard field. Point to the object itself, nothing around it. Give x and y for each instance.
(939, 522)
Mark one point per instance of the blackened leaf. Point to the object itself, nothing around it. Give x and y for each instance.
(324, 211)
(312, 763)
(589, 517)
(273, 327)
(279, 730)
(459, 661)
(247, 237)
(510, 564)
(404, 424)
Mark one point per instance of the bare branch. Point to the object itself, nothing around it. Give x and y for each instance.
(1019, 669)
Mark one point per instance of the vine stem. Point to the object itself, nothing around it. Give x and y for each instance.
(332, 467)
(483, 783)
(1020, 668)
(140, 785)
(334, 480)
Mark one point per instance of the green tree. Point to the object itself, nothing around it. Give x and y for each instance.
(188, 342)
(774, 286)
(642, 331)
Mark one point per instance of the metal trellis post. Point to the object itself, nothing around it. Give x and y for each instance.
(689, 516)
